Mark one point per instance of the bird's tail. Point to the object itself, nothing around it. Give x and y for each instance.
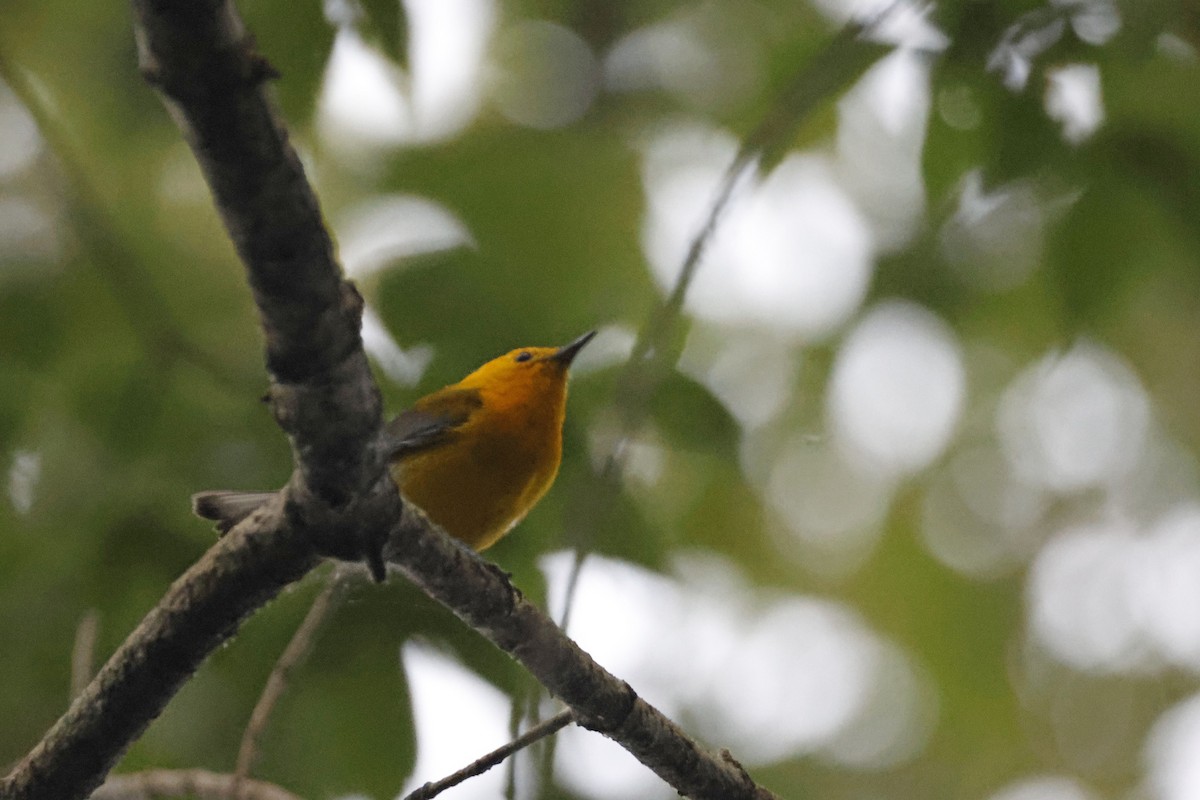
(227, 508)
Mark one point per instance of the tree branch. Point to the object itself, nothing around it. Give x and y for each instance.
(293, 655)
(339, 501)
(481, 595)
(202, 60)
(482, 764)
(660, 340)
(202, 608)
(199, 784)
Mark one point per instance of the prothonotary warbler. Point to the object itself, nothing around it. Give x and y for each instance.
(476, 455)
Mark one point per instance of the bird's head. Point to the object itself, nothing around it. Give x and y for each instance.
(527, 369)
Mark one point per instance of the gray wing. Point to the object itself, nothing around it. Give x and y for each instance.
(430, 422)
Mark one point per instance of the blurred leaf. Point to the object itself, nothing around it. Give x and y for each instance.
(1163, 165)
(384, 23)
(595, 517)
(1093, 260)
(1010, 137)
(691, 418)
(345, 724)
(834, 69)
(297, 39)
(626, 532)
(29, 335)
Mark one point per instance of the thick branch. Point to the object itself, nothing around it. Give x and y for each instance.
(198, 784)
(198, 54)
(481, 595)
(322, 394)
(340, 501)
(200, 610)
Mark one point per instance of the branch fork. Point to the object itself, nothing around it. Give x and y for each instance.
(340, 501)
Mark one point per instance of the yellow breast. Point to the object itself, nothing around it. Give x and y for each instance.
(492, 471)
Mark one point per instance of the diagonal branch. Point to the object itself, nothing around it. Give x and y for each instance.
(481, 765)
(480, 594)
(660, 341)
(202, 60)
(193, 784)
(293, 655)
(203, 608)
(339, 502)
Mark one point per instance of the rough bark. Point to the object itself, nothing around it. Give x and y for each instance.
(339, 501)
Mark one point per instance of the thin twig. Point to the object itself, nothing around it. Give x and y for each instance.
(658, 346)
(645, 369)
(194, 784)
(482, 596)
(293, 655)
(651, 357)
(516, 713)
(482, 765)
(83, 652)
(202, 609)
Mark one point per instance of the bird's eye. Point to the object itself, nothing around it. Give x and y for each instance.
(524, 355)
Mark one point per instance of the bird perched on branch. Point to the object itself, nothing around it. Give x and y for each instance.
(475, 456)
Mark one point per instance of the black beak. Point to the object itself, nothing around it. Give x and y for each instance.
(566, 354)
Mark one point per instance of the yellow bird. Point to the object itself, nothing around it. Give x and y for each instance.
(476, 455)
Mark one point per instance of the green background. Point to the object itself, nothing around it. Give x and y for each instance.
(130, 364)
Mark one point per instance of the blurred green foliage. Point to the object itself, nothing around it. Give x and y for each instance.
(130, 365)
